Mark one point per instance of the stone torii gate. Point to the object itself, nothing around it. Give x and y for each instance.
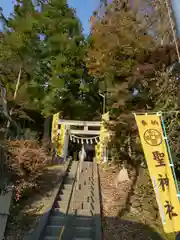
(74, 130)
(77, 129)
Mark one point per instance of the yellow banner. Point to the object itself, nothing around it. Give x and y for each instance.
(103, 131)
(104, 135)
(97, 152)
(75, 156)
(58, 136)
(156, 154)
(54, 130)
(61, 141)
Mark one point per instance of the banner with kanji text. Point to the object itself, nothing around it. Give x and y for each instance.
(104, 137)
(61, 135)
(157, 157)
(54, 129)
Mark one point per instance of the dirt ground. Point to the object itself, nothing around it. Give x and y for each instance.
(129, 213)
(24, 217)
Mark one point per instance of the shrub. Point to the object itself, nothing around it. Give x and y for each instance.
(26, 161)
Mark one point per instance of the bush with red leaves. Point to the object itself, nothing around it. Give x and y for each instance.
(26, 161)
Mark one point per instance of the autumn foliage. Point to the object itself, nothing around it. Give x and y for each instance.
(131, 67)
(26, 161)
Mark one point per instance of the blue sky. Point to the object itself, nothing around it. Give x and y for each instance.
(84, 9)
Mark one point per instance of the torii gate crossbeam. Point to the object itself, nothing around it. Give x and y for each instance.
(85, 124)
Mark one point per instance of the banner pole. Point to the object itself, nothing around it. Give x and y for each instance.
(157, 153)
(169, 153)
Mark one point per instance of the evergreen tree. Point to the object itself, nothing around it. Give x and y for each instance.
(21, 42)
(45, 41)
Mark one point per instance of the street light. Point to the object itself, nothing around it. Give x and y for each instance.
(104, 101)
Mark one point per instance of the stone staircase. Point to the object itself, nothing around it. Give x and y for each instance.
(73, 214)
(58, 215)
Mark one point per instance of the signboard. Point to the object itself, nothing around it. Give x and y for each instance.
(156, 154)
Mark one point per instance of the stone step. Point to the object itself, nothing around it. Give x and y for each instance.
(84, 192)
(76, 205)
(87, 186)
(67, 186)
(83, 221)
(64, 198)
(51, 238)
(73, 167)
(82, 205)
(74, 163)
(61, 204)
(69, 181)
(69, 169)
(87, 205)
(66, 192)
(57, 220)
(82, 238)
(57, 212)
(85, 182)
(84, 212)
(71, 175)
(53, 230)
(83, 232)
(61, 210)
(83, 198)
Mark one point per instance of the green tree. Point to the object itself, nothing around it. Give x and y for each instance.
(21, 46)
(45, 40)
(64, 50)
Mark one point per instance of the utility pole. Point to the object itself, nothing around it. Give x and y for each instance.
(172, 28)
(178, 55)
